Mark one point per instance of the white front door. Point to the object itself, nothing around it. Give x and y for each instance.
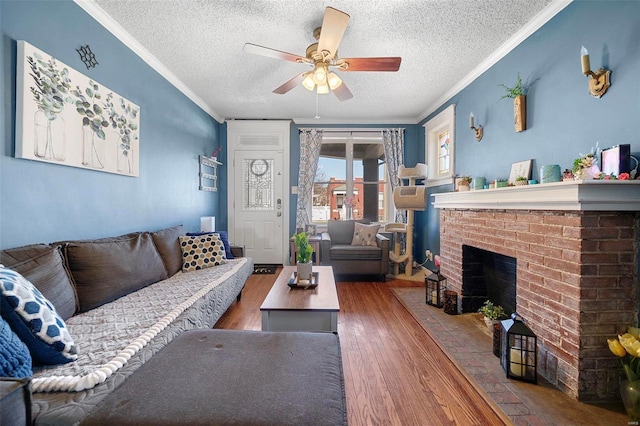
(259, 205)
(258, 183)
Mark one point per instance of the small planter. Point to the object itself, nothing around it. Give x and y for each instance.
(304, 271)
(521, 182)
(490, 323)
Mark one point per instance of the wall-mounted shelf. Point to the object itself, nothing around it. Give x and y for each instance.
(209, 181)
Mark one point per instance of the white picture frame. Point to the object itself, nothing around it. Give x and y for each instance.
(521, 168)
(64, 117)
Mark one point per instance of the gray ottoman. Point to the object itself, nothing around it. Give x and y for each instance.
(213, 377)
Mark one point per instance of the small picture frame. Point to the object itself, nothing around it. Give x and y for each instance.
(616, 160)
(311, 229)
(521, 168)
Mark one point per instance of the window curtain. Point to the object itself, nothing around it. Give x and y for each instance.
(393, 141)
(310, 144)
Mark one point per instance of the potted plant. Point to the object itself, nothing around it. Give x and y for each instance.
(518, 93)
(521, 180)
(305, 250)
(464, 183)
(492, 314)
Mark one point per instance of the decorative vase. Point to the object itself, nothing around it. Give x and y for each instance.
(520, 113)
(630, 392)
(463, 187)
(304, 271)
(587, 173)
(92, 149)
(550, 173)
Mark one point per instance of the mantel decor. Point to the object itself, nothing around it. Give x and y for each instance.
(64, 117)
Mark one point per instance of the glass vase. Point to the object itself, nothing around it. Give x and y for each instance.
(630, 392)
(93, 149)
(49, 135)
(125, 161)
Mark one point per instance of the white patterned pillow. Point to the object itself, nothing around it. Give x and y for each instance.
(34, 319)
(365, 235)
(200, 252)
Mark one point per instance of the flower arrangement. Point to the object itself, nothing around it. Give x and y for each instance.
(435, 259)
(589, 162)
(627, 347)
(621, 176)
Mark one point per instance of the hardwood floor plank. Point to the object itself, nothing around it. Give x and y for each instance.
(395, 374)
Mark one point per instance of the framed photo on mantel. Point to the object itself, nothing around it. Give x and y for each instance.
(521, 168)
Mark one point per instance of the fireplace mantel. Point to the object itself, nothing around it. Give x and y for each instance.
(588, 195)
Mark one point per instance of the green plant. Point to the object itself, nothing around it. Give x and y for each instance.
(515, 91)
(493, 312)
(465, 180)
(305, 250)
(521, 178)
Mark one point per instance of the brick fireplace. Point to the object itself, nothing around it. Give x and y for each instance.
(576, 251)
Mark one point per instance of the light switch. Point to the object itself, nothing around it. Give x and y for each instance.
(294, 189)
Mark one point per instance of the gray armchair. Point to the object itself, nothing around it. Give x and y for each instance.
(345, 258)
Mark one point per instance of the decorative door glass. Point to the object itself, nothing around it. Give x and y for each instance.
(443, 152)
(258, 185)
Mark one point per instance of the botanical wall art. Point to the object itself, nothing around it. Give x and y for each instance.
(64, 117)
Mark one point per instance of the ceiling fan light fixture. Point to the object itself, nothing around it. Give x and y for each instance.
(320, 74)
(308, 82)
(334, 80)
(323, 89)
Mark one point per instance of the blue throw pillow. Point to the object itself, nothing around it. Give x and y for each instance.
(223, 236)
(15, 360)
(34, 319)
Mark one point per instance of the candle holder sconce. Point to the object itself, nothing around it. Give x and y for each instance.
(476, 129)
(599, 81)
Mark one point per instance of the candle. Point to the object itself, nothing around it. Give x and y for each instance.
(434, 297)
(586, 65)
(516, 362)
(471, 120)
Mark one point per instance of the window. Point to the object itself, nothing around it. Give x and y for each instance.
(440, 147)
(351, 179)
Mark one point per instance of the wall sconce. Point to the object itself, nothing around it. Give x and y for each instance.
(599, 81)
(478, 129)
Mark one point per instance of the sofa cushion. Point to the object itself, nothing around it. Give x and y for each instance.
(200, 252)
(168, 245)
(15, 360)
(44, 266)
(106, 269)
(34, 319)
(349, 252)
(365, 235)
(224, 237)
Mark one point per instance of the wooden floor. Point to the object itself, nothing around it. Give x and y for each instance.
(394, 373)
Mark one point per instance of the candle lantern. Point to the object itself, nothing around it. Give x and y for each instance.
(518, 354)
(436, 285)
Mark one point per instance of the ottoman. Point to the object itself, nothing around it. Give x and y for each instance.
(237, 377)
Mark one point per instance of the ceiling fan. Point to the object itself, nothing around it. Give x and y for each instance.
(322, 56)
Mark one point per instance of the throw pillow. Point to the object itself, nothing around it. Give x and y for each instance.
(364, 235)
(15, 360)
(201, 252)
(34, 319)
(222, 235)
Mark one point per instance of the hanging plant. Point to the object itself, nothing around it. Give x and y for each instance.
(518, 94)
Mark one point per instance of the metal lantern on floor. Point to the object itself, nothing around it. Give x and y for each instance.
(518, 354)
(436, 285)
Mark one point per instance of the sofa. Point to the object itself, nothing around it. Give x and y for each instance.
(121, 299)
(355, 248)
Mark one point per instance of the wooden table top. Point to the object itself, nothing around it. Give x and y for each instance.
(322, 298)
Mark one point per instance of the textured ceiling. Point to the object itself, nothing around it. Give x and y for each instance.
(200, 42)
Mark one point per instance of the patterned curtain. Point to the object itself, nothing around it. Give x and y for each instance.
(393, 141)
(310, 144)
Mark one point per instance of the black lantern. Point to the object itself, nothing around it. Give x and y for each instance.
(436, 285)
(518, 354)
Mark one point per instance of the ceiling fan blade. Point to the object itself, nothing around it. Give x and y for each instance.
(333, 27)
(271, 53)
(289, 84)
(371, 64)
(342, 92)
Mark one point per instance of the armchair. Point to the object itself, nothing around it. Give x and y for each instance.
(347, 258)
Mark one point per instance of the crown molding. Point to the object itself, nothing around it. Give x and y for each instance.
(532, 26)
(97, 13)
(316, 121)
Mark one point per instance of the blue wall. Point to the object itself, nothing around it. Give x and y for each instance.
(42, 202)
(563, 119)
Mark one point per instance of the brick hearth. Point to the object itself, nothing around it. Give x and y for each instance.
(576, 282)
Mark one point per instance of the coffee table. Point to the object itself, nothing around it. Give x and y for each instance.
(286, 309)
